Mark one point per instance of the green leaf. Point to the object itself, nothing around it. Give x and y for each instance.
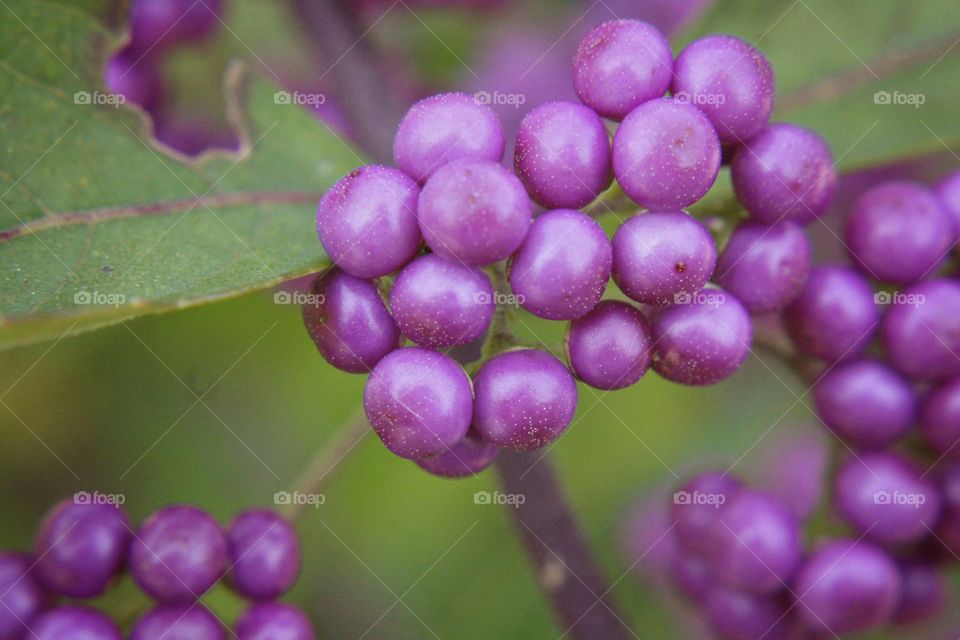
(98, 225)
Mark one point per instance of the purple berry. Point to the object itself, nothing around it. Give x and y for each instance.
(887, 499)
(81, 547)
(666, 154)
(158, 24)
(178, 553)
(692, 575)
(701, 341)
(940, 418)
(835, 316)
(897, 232)
(264, 554)
(443, 128)
(620, 65)
(563, 155)
(948, 531)
(947, 192)
(765, 266)
(785, 172)
(730, 81)
(610, 347)
(525, 399)
(21, 597)
(367, 222)
(921, 331)
(136, 78)
(178, 622)
(550, 278)
(273, 621)
(349, 322)
(847, 586)
(924, 593)
(736, 615)
(658, 257)
(474, 212)
(438, 303)
(419, 402)
(866, 402)
(792, 465)
(466, 458)
(696, 508)
(71, 622)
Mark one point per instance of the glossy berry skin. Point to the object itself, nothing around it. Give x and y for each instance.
(81, 547)
(785, 172)
(438, 303)
(765, 266)
(474, 212)
(273, 621)
(757, 540)
(466, 458)
(730, 81)
(697, 506)
(702, 342)
(70, 622)
(666, 154)
(525, 399)
(658, 257)
(940, 418)
(159, 24)
(178, 553)
(924, 594)
(419, 402)
(847, 586)
(947, 192)
(610, 347)
(348, 322)
(562, 155)
(835, 316)
(887, 498)
(443, 128)
(737, 615)
(562, 268)
(367, 222)
(178, 622)
(621, 64)
(921, 331)
(264, 554)
(866, 402)
(897, 232)
(21, 596)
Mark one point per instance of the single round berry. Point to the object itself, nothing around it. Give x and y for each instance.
(866, 402)
(443, 128)
(765, 266)
(71, 622)
(466, 458)
(730, 81)
(525, 399)
(158, 24)
(785, 172)
(947, 192)
(474, 212)
(835, 315)
(696, 509)
(419, 402)
(887, 498)
(439, 303)
(660, 258)
(80, 547)
(924, 593)
(348, 322)
(897, 232)
(610, 347)
(736, 615)
(553, 280)
(136, 79)
(921, 331)
(563, 155)
(666, 154)
(367, 222)
(940, 418)
(847, 586)
(273, 621)
(178, 622)
(757, 543)
(264, 554)
(178, 553)
(621, 64)
(701, 341)
(21, 597)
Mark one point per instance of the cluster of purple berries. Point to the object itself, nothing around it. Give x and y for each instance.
(450, 192)
(177, 555)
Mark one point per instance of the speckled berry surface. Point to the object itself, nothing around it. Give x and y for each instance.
(610, 347)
